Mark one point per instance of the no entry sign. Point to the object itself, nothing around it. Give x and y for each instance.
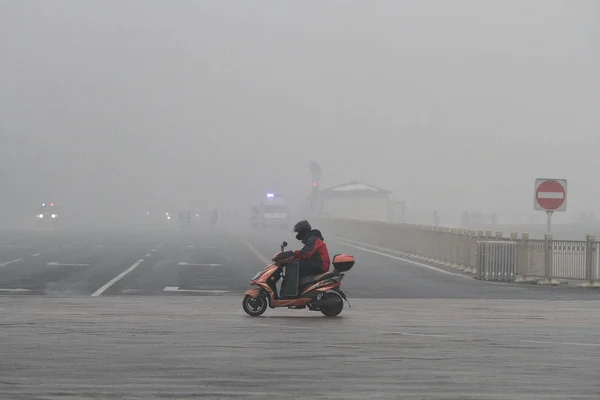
(550, 195)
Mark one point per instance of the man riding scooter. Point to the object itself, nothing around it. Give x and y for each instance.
(313, 259)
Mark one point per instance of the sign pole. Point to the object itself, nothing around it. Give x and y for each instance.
(550, 196)
(549, 222)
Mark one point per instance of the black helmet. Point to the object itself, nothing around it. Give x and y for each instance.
(302, 229)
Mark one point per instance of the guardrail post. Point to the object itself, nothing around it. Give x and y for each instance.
(480, 236)
(548, 260)
(463, 250)
(447, 247)
(525, 256)
(471, 251)
(455, 247)
(514, 236)
(590, 255)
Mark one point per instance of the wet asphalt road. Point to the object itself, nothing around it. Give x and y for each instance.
(157, 314)
(192, 263)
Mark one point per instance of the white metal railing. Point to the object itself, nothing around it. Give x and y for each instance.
(515, 257)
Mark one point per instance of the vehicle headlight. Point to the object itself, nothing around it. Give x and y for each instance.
(41, 216)
(53, 215)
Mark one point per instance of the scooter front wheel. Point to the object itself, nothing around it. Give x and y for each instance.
(255, 306)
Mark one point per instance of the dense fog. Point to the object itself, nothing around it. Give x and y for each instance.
(115, 108)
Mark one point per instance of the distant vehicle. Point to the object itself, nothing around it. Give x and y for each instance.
(273, 212)
(185, 219)
(47, 214)
(214, 217)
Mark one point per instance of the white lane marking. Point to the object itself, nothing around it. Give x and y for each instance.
(176, 289)
(147, 255)
(284, 326)
(190, 246)
(412, 334)
(256, 253)
(200, 265)
(563, 343)
(36, 254)
(9, 245)
(2, 264)
(54, 264)
(117, 278)
(15, 290)
(100, 246)
(406, 260)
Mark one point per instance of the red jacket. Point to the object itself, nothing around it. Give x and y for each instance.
(314, 256)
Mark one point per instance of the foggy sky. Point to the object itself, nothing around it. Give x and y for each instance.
(452, 105)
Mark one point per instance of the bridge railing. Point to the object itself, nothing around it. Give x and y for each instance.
(486, 254)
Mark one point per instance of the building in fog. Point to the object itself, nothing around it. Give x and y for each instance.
(362, 201)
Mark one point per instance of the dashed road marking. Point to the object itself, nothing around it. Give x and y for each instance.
(15, 290)
(177, 289)
(414, 334)
(36, 254)
(200, 265)
(5, 263)
(55, 264)
(117, 278)
(561, 343)
(147, 255)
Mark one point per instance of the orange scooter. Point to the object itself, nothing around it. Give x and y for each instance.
(317, 293)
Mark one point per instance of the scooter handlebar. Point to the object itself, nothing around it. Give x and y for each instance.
(286, 256)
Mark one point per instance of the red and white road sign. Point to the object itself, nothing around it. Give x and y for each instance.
(550, 194)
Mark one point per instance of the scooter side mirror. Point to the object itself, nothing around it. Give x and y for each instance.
(283, 245)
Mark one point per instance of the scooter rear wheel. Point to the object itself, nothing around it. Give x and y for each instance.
(335, 309)
(255, 307)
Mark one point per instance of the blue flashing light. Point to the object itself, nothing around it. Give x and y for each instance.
(43, 204)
